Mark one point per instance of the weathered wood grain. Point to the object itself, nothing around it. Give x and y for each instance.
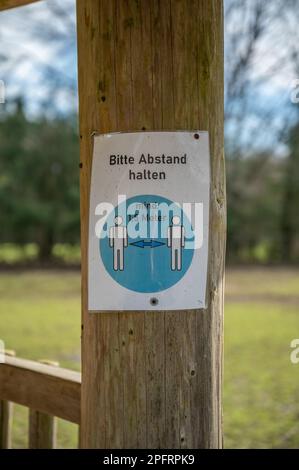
(153, 379)
(6, 416)
(42, 426)
(42, 430)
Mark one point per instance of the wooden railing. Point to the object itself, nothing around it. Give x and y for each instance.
(48, 391)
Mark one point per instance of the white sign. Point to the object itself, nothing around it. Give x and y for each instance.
(149, 221)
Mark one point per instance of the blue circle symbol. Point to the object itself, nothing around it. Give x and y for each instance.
(143, 244)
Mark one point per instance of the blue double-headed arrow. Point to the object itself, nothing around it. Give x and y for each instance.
(150, 244)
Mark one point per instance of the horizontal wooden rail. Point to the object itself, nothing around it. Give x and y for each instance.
(7, 4)
(41, 387)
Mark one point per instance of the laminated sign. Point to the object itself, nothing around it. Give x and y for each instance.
(149, 221)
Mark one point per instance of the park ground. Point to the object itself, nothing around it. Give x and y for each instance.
(40, 319)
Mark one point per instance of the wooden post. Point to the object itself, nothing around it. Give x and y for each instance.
(153, 379)
(7, 4)
(42, 426)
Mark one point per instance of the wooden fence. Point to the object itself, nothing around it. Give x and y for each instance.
(48, 391)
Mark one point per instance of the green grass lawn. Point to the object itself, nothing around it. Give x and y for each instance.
(40, 319)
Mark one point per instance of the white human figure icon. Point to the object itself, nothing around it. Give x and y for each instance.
(176, 241)
(118, 240)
